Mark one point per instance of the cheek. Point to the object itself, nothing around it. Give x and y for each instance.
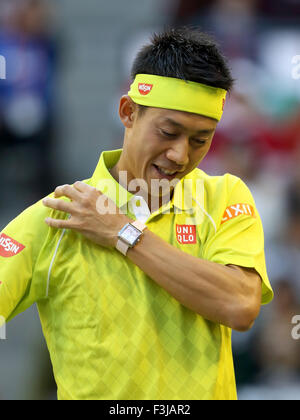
(142, 153)
(150, 147)
(197, 156)
(146, 145)
(204, 151)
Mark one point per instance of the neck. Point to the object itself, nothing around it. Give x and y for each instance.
(154, 203)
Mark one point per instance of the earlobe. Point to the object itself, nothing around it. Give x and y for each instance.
(127, 111)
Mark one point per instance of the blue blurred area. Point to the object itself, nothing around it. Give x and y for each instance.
(68, 65)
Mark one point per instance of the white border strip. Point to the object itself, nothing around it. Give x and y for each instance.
(2, 67)
(52, 262)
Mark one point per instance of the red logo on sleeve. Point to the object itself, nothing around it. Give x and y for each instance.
(145, 88)
(186, 234)
(9, 247)
(236, 210)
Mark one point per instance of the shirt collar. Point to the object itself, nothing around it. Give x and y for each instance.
(105, 182)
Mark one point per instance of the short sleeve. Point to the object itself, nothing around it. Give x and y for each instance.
(239, 239)
(20, 244)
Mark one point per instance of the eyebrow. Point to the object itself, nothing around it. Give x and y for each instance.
(178, 125)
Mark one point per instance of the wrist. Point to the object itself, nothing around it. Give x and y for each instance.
(117, 228)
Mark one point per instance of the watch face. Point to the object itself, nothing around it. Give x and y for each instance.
(130, 234)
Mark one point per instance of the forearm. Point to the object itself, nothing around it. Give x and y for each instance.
(226, 295)
(216, 292)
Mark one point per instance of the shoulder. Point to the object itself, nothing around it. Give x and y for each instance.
(221, 185)
(217, 193)
(37, 212)
(29, 218)
(29, 227)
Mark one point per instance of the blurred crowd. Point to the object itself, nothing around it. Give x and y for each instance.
(27, 97)
(258, 140)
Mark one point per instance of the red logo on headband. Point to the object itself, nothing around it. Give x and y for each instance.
(223, 104)
(144, 88)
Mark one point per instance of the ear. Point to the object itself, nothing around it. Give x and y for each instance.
(127, 111)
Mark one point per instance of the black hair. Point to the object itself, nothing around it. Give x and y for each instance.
(184, 53)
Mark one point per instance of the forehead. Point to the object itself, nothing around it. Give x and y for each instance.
(181, 120)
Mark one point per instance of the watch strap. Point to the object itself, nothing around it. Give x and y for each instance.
(139, 225)
(122, 247)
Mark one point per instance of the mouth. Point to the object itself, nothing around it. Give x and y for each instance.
(164, 173)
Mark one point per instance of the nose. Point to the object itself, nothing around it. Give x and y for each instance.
(179, 152)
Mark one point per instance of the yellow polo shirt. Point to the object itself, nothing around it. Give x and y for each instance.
(111, 331)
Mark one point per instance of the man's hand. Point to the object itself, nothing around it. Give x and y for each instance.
(221, 294)
(86, 211)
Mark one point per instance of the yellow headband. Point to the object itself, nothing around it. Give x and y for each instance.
(170, 93)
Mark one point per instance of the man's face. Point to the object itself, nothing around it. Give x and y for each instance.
(166, 144)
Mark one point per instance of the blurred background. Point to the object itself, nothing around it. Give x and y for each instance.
(68, 63)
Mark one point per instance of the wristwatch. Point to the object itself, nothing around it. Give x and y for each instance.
(129, 236)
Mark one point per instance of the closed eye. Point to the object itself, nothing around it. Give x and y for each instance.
(199, 142)
(167, 134)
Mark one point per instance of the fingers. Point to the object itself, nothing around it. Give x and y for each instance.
(82, 187)
(66, 191)
(82, 197)
(59, 205)
(58, 223)
(74, 192)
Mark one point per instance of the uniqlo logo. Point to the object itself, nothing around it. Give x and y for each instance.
(145, 88)
(236, 210)
(9, 247)
(186, 234)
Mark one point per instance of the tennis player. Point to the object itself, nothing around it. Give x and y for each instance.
(138, 288)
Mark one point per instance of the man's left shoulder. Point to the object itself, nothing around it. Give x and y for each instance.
(218, 192)
(215, 184)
